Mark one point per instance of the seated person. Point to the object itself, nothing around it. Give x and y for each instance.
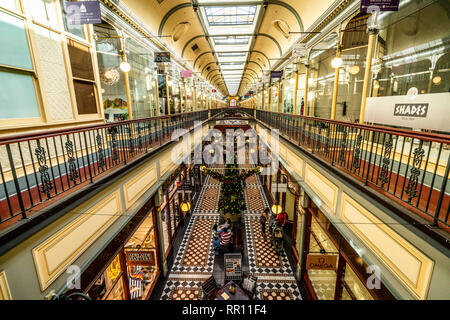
(225, 226)
(224, 241)
(281, 218)
(215, 232)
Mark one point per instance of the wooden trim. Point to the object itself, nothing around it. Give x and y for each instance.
(309, 288)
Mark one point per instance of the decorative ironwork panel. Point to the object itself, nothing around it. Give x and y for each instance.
(100, 153)
(384, 176)
(47, 184)
(73, 172)
(357, 152)
(411, 189)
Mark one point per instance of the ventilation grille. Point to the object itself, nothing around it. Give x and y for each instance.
(194, 47)
(160, 1)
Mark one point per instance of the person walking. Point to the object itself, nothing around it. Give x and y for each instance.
(263, 220)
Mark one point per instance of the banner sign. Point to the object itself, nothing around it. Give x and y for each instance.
(162, 57)
(186, 73)
(321, 262)
(422, 111)
(299, 50)
(140, 257)
(384, 5)
(276, 74)
(83, 12)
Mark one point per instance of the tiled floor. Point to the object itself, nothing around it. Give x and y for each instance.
(195, 260)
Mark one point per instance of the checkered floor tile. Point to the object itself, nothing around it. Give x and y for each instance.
(197, 250)
(183, 293)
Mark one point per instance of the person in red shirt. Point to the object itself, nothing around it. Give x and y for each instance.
(281, 218)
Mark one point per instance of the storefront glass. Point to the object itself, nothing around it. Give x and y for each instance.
(274, 97)
(109, 286)
(351, 74)
(289, 90)
(413, 50)
(321, 77)
(142, 275)
(112, 79)
(141, 79)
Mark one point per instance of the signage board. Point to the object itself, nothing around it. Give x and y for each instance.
(140, 257)
(384, 5)
(276, 74)
(186, 73)
(299, 50)
(321, 262)
(233, 266)
(83, 12)
(422, 111)
(162, 57)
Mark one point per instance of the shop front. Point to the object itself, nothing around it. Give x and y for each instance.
(129, 266)
(331, 267)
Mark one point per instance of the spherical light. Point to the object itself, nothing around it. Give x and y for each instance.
(202, 168)
(292, 81)
(125, 66)
(170, 82)
(354, 69)
(437, 80)
(276, 208)
(336, 62)
(185, 206)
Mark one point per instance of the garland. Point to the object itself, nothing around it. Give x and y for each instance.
(231, 198)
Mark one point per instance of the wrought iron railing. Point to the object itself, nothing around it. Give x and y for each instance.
(412, 167)
(35, 168)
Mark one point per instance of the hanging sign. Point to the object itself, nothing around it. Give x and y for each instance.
(162, 57)
(299, 50)
(421, 111)
(186, 74)
(383, 5)
(83, 12)
(321, 262)
(140, 257)
(276, 74)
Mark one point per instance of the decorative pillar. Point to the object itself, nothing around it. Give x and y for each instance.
(305, 113)
(335, 88)
(372, 36)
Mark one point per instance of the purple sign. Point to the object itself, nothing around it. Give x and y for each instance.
(186, 73)
(83, 12)
(384, 5)
(276, 74)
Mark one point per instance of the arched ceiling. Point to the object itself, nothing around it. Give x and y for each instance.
(230, 43)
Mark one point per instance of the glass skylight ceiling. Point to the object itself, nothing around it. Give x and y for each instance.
(231, 28)
(225, 16)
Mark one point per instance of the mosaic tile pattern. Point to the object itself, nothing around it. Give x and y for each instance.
(185, 293)
(277, 294)
(197, 250)
(210, 199)
(265, 254)
(254, 198)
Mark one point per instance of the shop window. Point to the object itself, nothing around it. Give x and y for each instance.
(109, 285)
(76, 30)
(42, 11)
(141, 79)
(142, 274)
(413, 50)
(321, 77)
(112, 79)
(18, 90)
(83, 77)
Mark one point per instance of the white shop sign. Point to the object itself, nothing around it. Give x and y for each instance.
(422, 111)
(299, 50)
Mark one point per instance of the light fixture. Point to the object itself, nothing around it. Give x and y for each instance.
(170, 83)
(437, 80)
(125, 66)
(202, 168)
(185, 206)
(276, 208)
(336, 62)
(354, 69)
(376, 84)
(292, 81)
